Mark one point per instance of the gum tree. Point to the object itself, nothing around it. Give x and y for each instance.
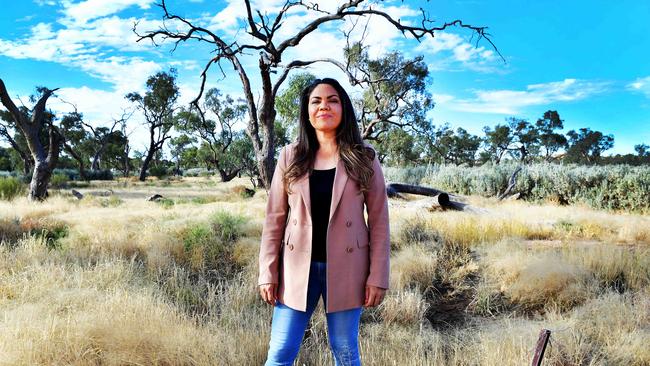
(32, 124)
(272, 68)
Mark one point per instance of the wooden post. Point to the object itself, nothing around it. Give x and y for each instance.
(544, 335)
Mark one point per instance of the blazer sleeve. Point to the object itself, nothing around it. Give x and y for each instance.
(378, 224)
(275, 220)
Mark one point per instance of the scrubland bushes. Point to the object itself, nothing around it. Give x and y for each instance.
(616, 187)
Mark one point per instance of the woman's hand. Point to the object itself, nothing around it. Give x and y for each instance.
(269, 293)
(374, 296)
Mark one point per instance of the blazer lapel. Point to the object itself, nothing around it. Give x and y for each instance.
(340, 179)
(302, 186)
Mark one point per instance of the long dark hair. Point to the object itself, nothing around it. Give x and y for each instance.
(357, 157)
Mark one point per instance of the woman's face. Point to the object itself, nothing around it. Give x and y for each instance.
(325, 108)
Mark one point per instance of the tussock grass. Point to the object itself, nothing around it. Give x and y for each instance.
(135, 282)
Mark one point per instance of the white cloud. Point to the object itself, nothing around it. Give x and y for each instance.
(442, 98)
(513, 101)
(45, 2)
(78, 14)
(641, 85)
(455, 51)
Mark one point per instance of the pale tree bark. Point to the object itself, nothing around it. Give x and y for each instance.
(44, 162)
(261, 113)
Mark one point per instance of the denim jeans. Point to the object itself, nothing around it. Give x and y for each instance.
(288, 326)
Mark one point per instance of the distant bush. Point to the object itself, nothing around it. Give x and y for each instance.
(617, 187)
(72, 174)
(193, 172)
(166, 203)
(409, 175)
(243, 191)
(10, 188)
(59, 180)
(103, 174)
(158, 171)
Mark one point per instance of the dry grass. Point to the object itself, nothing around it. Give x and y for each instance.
(135, 282)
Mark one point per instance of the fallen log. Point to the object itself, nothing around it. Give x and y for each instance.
(439, 200)
(155, 197)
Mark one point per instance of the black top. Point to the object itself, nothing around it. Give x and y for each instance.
(321, 183)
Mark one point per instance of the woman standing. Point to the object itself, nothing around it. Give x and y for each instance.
(315, 240)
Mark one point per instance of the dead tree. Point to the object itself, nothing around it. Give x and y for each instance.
(511, 184)
(31, 125)
(263, 30)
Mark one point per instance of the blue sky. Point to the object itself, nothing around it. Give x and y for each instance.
(586, 59)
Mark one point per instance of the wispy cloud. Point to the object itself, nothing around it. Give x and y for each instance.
(514, 101)
(78, 14)
(640, 85)
(454, 52)
(93, 48)
(45, 2)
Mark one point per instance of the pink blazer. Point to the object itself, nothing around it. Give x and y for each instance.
(357, 253)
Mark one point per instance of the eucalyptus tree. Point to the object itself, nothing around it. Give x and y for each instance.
(34, 124)
(586, 145)
(157, 105)
(550, 140)
(454, 147)
(178, 145)
(273, 67)
(218, 132)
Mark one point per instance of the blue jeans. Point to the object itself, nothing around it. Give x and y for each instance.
(288, 326)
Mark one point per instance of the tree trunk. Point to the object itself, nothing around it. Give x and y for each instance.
(95, 163)
(40, 179)
(79, 159)
(145, 164)
(27, 165)
(394, 188)
(31, 126)
(228, 176)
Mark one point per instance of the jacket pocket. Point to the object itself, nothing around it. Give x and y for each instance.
(363, 240)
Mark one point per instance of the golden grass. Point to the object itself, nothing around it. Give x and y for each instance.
(121, 287)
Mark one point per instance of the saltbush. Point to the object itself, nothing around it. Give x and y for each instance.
(11, 187)
(615, 187)
(59, 180)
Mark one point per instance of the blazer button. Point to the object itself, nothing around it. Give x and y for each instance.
(295, 221)
(349, 250)
(348, 223)
(290, 246)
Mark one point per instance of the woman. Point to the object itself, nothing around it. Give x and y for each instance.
(315, 240)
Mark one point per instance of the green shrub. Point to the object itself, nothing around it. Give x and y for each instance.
(158, 171)
(10, 188)
(166, 203)
(204, 250)
(226, 226)
(104, 174)
(112, 201)
(59, 180)
(50, 230)
(243, 191)
(72, 174)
